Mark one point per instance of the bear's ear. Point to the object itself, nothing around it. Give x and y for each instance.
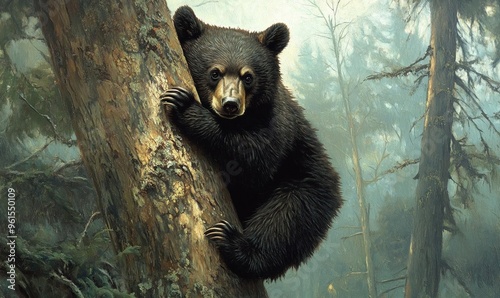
(187, 25)
(275, 38)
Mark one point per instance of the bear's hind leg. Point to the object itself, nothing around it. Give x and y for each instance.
(282, 233)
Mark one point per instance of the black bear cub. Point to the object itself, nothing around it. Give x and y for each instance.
(284, 190)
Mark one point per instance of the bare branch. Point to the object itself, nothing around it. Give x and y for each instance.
(391, 289)
(413, 68)
(401, 165)
(84, 233)
(404, 71)
(57, 136)
(420, 118)
(357, 273)
(205, 2)
(44, 176)
(352, 235)
(74, 163)
(418, 82)
(31, 156)
(393, 279)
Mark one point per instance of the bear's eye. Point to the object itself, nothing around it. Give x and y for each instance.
(215, 74)
(248, 79)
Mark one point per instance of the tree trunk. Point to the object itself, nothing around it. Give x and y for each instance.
(112, 60)
(424, 264)
(360, 184)
(360, 192)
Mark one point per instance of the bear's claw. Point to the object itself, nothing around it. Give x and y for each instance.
(177, 97)
(221, 232)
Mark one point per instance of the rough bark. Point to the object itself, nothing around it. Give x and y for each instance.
(424, 264)
(112, 59)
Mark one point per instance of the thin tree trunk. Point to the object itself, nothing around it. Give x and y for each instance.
(112, 60)
(424, 264)
(360, 185)
(360, 191)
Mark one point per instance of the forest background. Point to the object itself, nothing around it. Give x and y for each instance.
(361, 72)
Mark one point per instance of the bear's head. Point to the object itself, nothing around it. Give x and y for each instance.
(235, 71)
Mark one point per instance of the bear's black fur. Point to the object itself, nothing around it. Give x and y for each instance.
(282, 185)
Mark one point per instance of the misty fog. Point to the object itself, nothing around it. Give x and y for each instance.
(360, 69)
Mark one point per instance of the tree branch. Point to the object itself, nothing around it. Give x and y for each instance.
(84, 233)
(493, 84)
(57, 136)
(31, 156)
(413, 68)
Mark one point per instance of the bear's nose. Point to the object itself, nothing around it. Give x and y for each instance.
(230, 105)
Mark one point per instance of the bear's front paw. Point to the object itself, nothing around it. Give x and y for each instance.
(222, 233)
(177, 97)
